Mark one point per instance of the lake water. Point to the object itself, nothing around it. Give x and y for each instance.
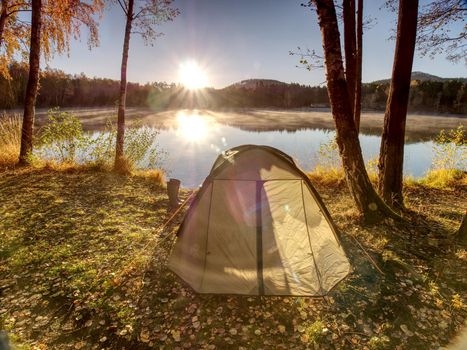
(193, 146)
(192, 143)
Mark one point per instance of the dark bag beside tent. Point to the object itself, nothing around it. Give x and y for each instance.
(258, 227)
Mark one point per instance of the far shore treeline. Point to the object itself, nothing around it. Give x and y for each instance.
(58, 89)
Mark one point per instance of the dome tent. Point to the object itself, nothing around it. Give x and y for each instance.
(257, 226)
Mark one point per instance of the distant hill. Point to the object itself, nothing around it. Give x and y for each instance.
(253, 84)
(256, 83)
(421, 76)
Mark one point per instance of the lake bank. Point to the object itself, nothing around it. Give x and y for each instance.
(187, 142)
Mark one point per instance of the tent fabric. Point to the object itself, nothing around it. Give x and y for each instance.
(257, 226)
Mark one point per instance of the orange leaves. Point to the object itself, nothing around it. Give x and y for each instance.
(62, 21)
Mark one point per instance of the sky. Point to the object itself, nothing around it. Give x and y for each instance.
(233, 40)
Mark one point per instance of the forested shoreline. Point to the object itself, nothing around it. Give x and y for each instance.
(66, 90)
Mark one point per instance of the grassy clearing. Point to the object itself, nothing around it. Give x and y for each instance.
(79, 270)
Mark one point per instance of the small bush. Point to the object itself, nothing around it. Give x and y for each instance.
(328, 155)
(100, 150)
(62, 136)
(140, 149)
(328, 170)
(450, 149)
(372, 169)
(63, 141)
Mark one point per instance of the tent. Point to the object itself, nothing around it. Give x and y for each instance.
(257, 226)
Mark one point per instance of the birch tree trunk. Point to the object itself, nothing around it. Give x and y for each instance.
(33, 82)
(119, 154)
(391, 157)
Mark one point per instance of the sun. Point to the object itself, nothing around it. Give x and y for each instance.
(192, 76)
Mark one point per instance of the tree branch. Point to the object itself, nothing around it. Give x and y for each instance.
(139, 12)
(18, 5)
(125, 11)
(15, 11)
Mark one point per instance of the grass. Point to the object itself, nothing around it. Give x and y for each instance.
(327, 176)
(443, 178)
(10, 139)
(79, 268)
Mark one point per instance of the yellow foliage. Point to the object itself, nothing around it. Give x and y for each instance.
(61, 21)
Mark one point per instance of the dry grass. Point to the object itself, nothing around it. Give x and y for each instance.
(10, 139)
(124, 166)
(327, 176)
(152, 175)
(444, 178)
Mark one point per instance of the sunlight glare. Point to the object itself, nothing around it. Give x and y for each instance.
(192, 76)
(192, 127)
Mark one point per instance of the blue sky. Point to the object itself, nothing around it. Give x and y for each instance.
(235, 40)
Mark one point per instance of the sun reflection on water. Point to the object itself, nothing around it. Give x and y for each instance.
(193, 127)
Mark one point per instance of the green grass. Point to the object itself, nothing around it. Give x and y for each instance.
(79, 269)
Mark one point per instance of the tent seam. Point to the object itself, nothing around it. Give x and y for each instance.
(207, 238)
(259, 238)
(309, 240)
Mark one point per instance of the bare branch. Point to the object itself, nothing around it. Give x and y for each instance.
(125, 10)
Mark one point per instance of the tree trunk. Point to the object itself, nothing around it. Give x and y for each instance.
(119, 155)
(391, 156)
(462, 232)
(33, 82)
(350, 48)
(3, 17)
(358, 68)
(367, 200)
